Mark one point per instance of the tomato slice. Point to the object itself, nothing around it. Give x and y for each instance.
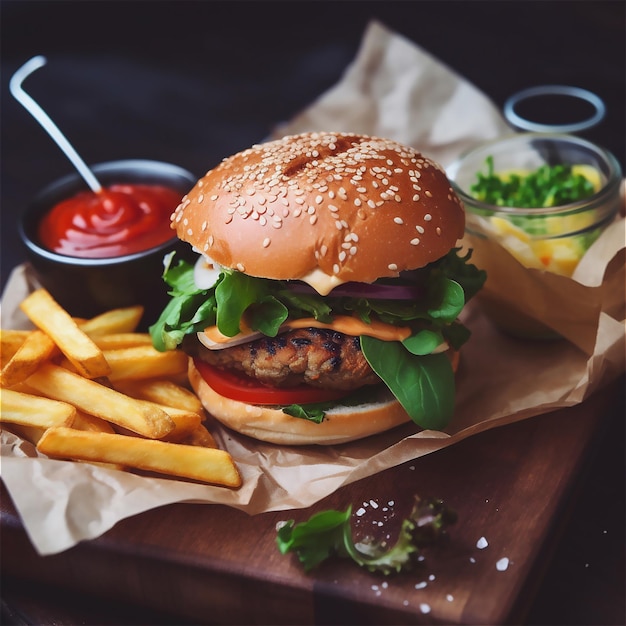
(246, 389)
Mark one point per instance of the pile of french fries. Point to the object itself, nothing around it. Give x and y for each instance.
(96, 390)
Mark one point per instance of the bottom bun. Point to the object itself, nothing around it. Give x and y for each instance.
(341, 424)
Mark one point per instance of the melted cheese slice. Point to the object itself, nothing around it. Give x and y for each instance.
(213, 339)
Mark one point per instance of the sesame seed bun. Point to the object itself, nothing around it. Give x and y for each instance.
(325, 208)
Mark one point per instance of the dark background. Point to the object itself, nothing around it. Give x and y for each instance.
(192, 82)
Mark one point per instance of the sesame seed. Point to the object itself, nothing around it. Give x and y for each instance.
(416, 197)
(266, 242)
(241, 267)
(398, 220)
(415, 242)
(393, 267)
(419, 229)
(428, 217)
(313, 219)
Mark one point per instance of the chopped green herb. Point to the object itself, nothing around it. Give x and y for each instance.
(547, 186)
(329, 533)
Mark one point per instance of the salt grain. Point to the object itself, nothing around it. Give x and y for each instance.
(502, 564)
(425, 608)
(421, 585)
(482, 543)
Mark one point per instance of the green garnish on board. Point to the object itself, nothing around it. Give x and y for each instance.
(547, 186)
(329, 534)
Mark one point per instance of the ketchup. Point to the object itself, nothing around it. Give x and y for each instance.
(118, 220)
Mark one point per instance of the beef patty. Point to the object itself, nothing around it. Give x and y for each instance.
(314, 356)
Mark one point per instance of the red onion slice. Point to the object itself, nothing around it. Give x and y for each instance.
(365, 290)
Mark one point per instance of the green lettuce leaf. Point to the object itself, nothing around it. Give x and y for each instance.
(424, 385)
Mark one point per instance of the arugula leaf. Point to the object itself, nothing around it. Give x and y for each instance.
(423, 342)
(459, 269)
(329, 533)
(314, 412)
(424, 385)
(450, 299)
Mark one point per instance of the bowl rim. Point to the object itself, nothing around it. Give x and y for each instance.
(612, 184)
(149, 166)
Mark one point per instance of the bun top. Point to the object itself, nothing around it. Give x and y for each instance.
(325, 208)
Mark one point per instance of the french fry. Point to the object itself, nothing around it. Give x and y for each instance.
(97, 391)
(57, 323)
(208, 465)
(89, 396)
(85, 421)
(22, 408)
(162, 391)
(36, 348)
(145, 362)
(10, 341)
(115, 341)
(185, 422)
(123, 320)
(200, 436)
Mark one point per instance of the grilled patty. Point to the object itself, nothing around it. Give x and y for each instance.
(318, 357)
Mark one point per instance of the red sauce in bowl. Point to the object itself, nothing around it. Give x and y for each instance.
(119, 220)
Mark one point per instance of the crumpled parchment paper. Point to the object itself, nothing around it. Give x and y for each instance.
(393, 89)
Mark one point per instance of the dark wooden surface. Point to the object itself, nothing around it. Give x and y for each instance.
(208, 563)
(191, 82)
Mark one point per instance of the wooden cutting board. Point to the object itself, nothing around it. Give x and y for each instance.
(213, 564)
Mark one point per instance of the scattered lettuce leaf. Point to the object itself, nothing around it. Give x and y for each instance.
(329, 534)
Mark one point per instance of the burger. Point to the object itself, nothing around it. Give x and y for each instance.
(324, 303)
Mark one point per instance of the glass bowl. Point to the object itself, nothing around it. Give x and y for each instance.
(88, 286)
(552, 238)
